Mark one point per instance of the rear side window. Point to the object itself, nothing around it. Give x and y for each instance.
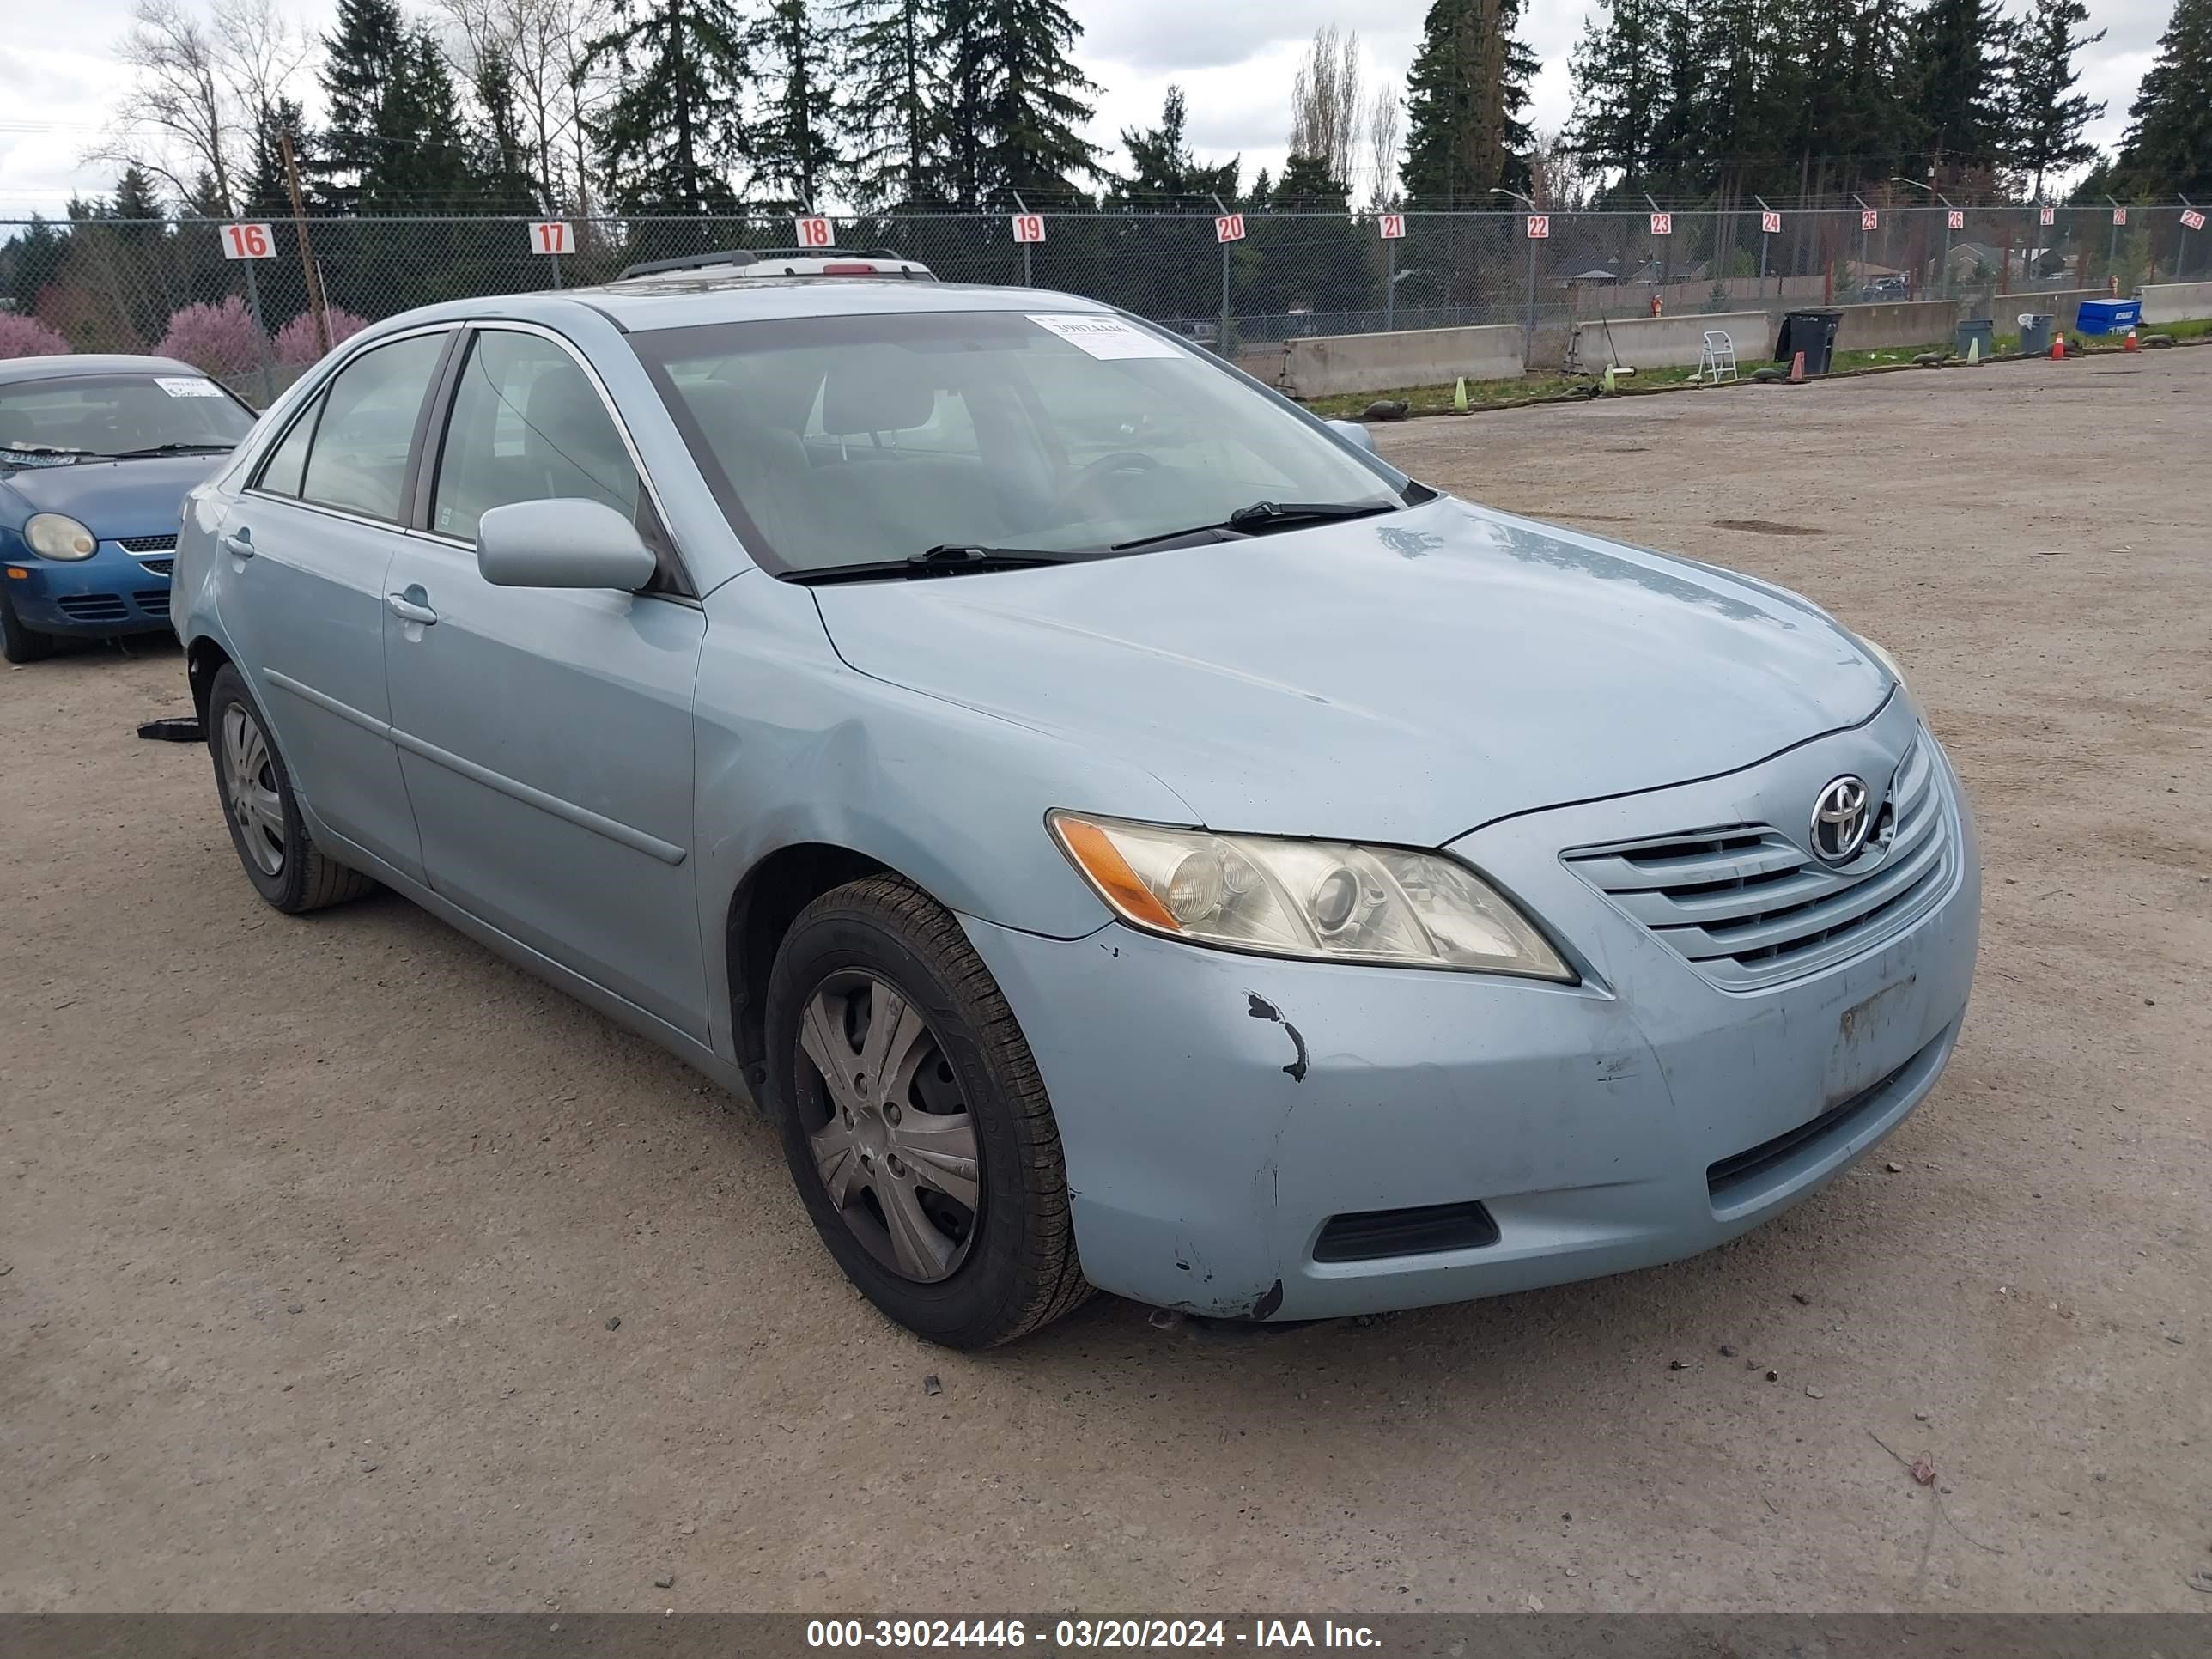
(288, 462)
(527, 425)
(356, 456)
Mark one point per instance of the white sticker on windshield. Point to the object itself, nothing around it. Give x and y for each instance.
(1107, 336)
(178, 386)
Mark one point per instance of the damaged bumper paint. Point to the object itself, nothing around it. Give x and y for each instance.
(1217, 1111)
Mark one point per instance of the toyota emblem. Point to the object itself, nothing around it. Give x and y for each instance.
(1843, 818)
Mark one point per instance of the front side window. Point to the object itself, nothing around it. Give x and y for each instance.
(852, 439)
(103, 416)
(527, 425)
(357, 457)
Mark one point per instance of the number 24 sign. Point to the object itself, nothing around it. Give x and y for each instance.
(248, 242)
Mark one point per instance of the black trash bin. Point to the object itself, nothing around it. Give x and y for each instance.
(1813, 333)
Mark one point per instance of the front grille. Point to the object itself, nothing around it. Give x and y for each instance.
(92, 607)
(154, 601)
(1746, 907)
(1370, 1234)
(147, 543)
(157, 566)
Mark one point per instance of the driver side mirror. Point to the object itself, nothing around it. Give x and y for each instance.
(1354, 432)
(561, 543)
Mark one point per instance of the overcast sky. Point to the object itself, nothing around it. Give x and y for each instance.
(1233, 58)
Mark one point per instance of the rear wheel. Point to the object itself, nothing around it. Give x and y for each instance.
(281, 858)
(19, 644)
(914, 1121)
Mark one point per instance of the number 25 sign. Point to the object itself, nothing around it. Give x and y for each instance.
(248, 242)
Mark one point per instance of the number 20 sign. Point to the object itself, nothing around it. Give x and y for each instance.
(248, 242)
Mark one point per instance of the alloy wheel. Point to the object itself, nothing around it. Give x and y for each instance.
(249, 772)
(889, 1130)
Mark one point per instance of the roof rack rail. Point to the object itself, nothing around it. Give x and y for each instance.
(753, 256)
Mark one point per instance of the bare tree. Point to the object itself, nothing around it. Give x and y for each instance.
(202, 89)
(1325, 109)
(1560, 177)
(543, 43)
(1382, 138)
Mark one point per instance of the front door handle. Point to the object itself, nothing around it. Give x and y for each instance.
(239, 542)
(412, 606)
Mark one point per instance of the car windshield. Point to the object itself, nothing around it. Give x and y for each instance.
(96, 417)
(843, 440)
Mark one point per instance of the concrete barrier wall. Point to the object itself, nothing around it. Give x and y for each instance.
(1329, 365)
(2176, 302)
(1896, 323)
(2063, 307)
(1669, 342)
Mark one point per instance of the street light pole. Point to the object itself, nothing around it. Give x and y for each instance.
(1221, 344)
(1023, 207)
(1864, 257)
(1945, 292)
(1763, 211)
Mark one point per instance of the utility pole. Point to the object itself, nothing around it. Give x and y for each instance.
(306, 249)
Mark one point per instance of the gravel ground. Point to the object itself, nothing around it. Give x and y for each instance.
(314, 1234)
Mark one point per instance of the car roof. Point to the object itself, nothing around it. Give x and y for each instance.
(687, 299)
(13, 370)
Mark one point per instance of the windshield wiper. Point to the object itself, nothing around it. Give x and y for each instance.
(947, 559)
(1260, 517)
(168, 449)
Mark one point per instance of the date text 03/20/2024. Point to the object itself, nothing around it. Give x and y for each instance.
(1066, 1633)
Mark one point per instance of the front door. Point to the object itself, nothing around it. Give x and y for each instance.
(545, 734)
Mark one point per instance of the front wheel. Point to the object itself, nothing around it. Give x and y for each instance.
(19, 644)
(914, 1121)
(281, 858)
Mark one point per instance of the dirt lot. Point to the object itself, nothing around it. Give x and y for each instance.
(312, 1232)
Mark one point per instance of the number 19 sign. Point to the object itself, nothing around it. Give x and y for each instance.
(1029, 227)
(248, 242)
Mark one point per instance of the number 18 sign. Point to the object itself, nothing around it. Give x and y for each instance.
(248, 242)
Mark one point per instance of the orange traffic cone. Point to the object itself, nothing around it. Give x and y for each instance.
(2058, 348)
(2129, 344)
(1796, 368)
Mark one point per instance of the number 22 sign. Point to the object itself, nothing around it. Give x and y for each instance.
(248, 242)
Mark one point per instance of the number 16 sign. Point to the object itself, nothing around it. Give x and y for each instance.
(248, 242)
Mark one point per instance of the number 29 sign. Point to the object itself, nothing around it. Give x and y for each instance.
(248, 242)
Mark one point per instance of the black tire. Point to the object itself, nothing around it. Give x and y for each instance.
(305, 876)
(1018, 1271)
(19, 644)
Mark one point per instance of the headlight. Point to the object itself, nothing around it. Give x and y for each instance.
(1326, 900)
(56, 536)
(1881, 657)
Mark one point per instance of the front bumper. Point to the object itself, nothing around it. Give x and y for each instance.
(114, 591)
(1216, 1110)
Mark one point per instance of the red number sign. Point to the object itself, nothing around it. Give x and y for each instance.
(2119, 216)
(1869, 220)
(1540, 226)
(1663, 224)
(550, 236)
(248, 242)
(1229, 228)
(2048, 217)
(1029, 227)
(1393, 225)
(1770, 224)
(2193, 219)
(1956, 220)
(815, 233)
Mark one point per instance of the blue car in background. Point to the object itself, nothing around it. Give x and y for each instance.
(96, 453)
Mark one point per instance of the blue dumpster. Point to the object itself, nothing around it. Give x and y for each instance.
(2109, 316)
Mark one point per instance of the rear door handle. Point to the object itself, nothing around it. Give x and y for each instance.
(410, 607)
(239, 542)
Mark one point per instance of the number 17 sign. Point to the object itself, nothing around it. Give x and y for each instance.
(552, 236)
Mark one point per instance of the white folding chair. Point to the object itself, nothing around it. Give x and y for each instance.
(1718, 360)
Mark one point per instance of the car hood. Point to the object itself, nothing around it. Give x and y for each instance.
(1401, 679)
(110, 498)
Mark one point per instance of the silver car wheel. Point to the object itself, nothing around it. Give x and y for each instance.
(895, 1146)
(249, 773)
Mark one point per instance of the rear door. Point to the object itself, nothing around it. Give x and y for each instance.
(305, 551)
(545, 734)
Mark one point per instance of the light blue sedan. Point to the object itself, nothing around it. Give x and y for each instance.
(1127, 834)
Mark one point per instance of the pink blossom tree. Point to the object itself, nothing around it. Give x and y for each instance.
(295, 341)
(27, 337)
(215, 339)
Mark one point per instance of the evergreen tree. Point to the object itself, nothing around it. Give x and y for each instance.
(1465, 131)
(507, 161)
(1956, 52)
(2045, 115)
(2168, 147)
(266, 195)
(1016, 99)
(1620, 77)
(895, 68)
(1164, 176)
(795, 148)
(394, 142)
(674, 130)
(1176, 272)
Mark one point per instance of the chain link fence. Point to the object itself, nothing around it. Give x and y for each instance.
(165, 285)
